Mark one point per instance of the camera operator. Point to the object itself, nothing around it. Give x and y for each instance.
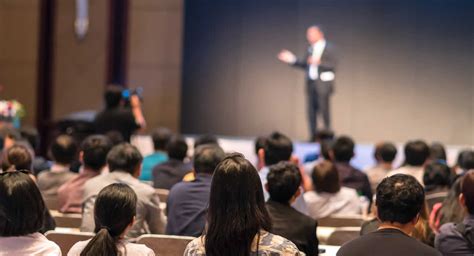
(118, 118)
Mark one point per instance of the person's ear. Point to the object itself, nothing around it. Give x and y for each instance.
(138, 170)
(261, 156)
(462, 199)
(297, 193)
(81, 156)
(415, 220)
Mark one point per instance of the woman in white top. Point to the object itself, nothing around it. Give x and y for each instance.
(22, 212)
(328, 197)
(114, 213)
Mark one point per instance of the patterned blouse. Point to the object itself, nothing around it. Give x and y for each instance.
(268, 245)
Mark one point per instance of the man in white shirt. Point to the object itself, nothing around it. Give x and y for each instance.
(319, 66)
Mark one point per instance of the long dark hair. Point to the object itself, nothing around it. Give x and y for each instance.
(236, 208)
(114, 210)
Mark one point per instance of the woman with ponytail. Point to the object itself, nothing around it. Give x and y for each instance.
(114, 214)
(238, 223)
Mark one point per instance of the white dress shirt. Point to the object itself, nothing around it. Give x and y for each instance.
(125, 248)
(318, 49)
(344, 202)
(33, 244)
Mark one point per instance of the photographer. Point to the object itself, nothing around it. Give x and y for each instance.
(118, 118)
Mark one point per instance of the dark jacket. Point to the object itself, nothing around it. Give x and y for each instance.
(167, 174)
(295, 226)
(353, 178)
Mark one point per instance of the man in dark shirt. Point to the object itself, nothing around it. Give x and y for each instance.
(188, 201)
(283, 182)
(458, 238)
(399, 201)
(166, 174)
(115, 117)
(342, 152)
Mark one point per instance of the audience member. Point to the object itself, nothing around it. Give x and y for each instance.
(114, 214)
(438, 152)
(384, 154)
(63, 151)
(283, 183)
(417, 153)
(465, 162)
(458, 238)
(160, 137)
(116, 117)
(450, 210)
(399, 201)
(17, 157)
(259, 144)
(328, 197)
(206, 139)
(124, 162)
(188, 201)
(22, 214)
(168, 173)
(93, 155)
(278, 147)
(342, 152)
(31, 135)
(238, 222)
(437, 180)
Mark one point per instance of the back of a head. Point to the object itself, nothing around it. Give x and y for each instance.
(236, 208)
(64, 150)
(325, 178)
(124, 157)
(115, 137)
(94, 151)
(399, 199)
(161, 136)
(437, 151)
(385, 152)
(259, 143)
(451, 210)
(343, 149)
(114, 211)
(17, 157)
(466, 160)
(177, 148)
(278, 147)
(325, 147)
(437, 175)
(206, 139)
(283, 180)
(207, 157)
(416, 152)
(113, 96)
(467, 189)
(22, 208)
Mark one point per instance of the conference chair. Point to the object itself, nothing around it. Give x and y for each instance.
(341, 221)
(67, 220)
(66, 240)
(162, 194)
(165, 244)
(342, 235)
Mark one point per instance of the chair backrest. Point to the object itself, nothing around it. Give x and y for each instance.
(66, 240)
(162, 194)
(165, 245)
(341, 221)
(67, 220)
(342, 235)
(51, 203)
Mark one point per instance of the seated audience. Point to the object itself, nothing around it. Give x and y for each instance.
(278, 147)
(31, 135)
(22, 214)
(160, 137)
(437, 180)
(465, 162)
(238, 222)
(384, 155)
(438, 152)
(94, 150)
(341, 153)
(63, 151)
(283, 182)
(124, 162)
(399, 201)
(115, 211)
(328, 197)
(450, 210)
(117, 117)
(188, 200)
(168, 173)
(416, 156)
(458, 238)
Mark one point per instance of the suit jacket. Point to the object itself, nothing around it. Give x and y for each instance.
(295, 226)
(149, 218)
(328, 62)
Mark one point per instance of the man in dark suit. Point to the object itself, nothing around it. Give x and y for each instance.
(319, 65)
(283, 182)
